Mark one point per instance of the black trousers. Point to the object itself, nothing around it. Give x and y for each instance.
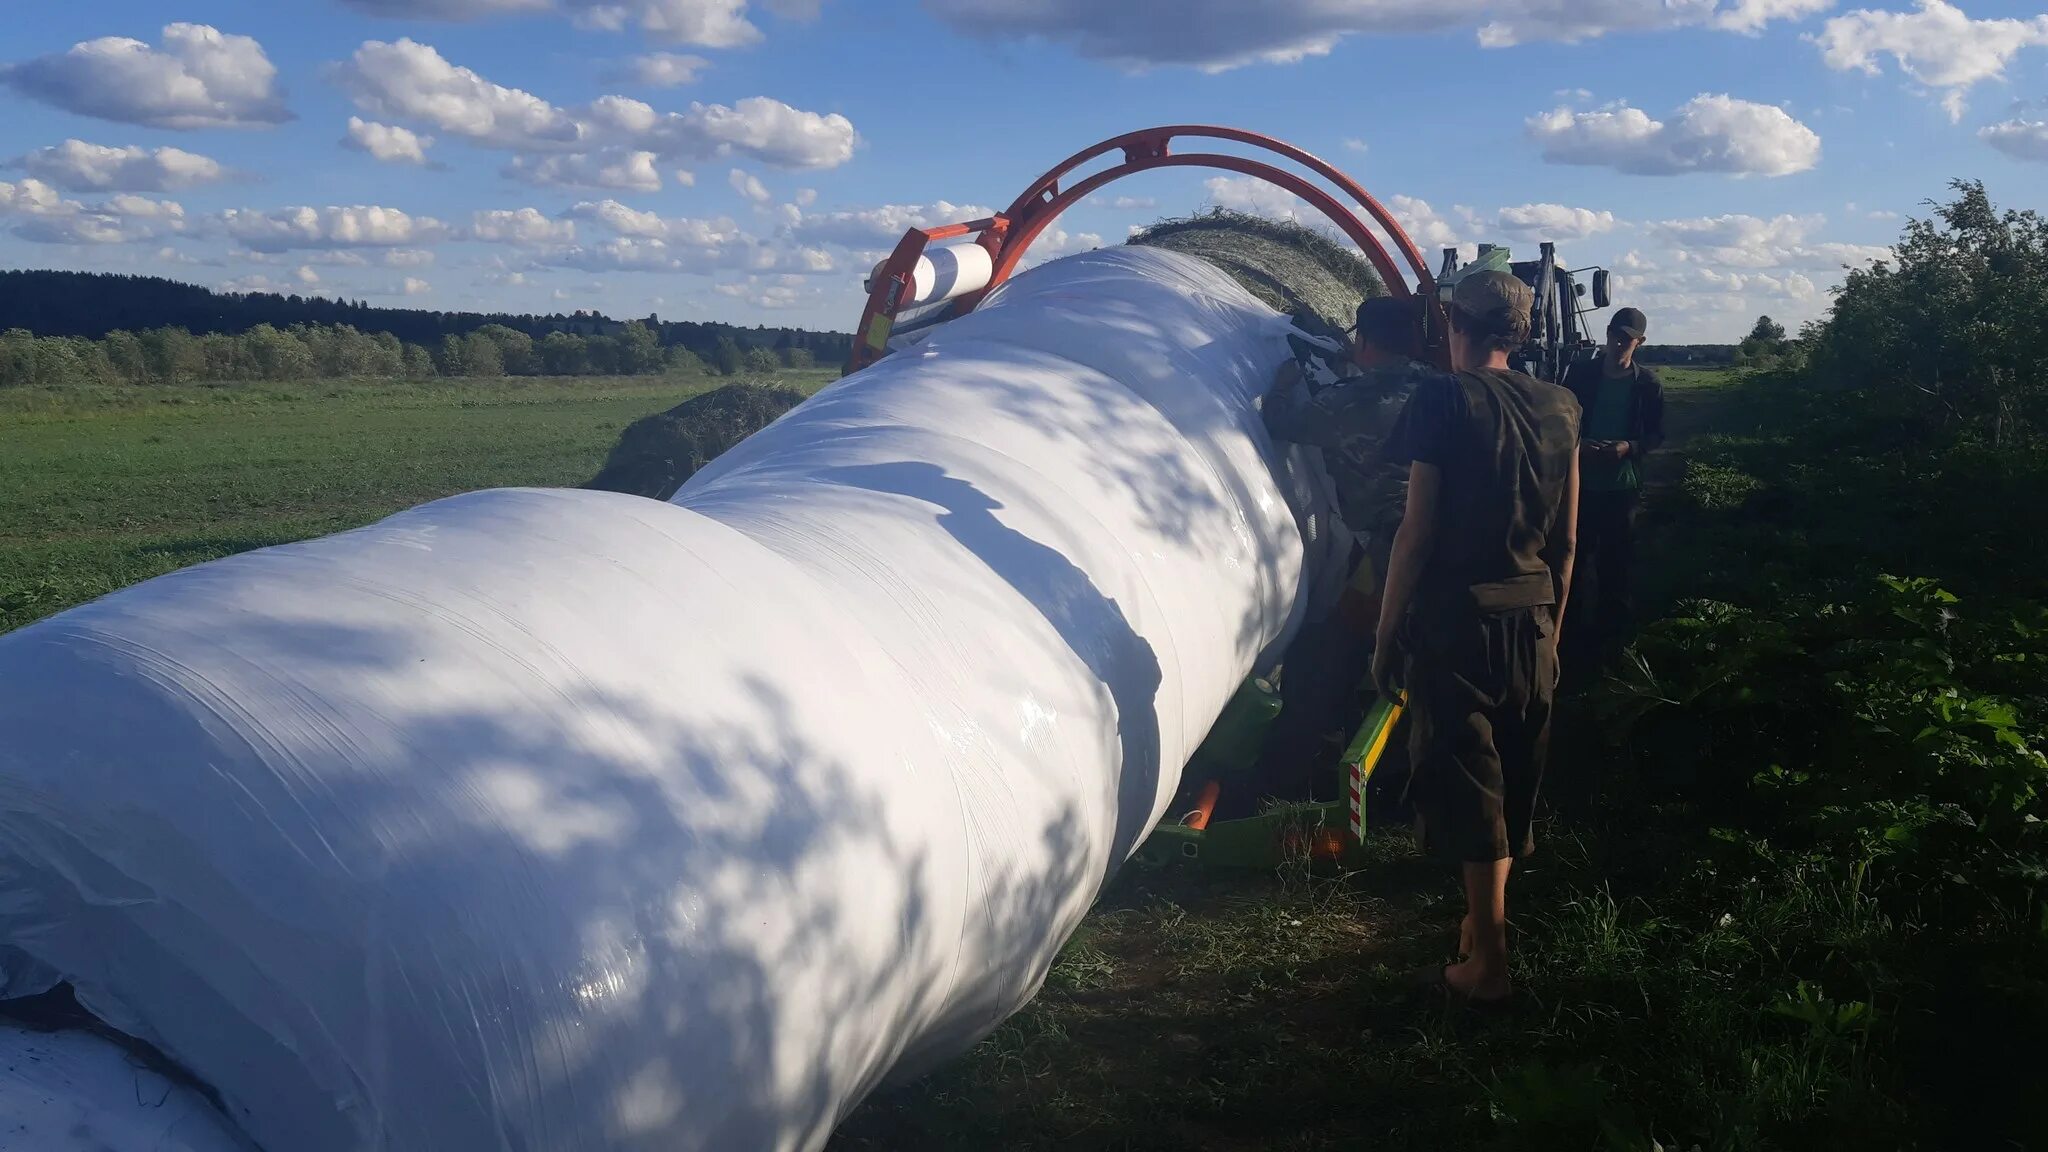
(1603, 596)
(1480, 687)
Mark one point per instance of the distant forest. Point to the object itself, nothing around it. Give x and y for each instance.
(93, 304)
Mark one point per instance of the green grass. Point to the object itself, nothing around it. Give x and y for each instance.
(1690, 977)
(100, 488)
(1682, 379)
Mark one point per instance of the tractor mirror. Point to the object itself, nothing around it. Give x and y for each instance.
(1578, 289)
(1602, 288)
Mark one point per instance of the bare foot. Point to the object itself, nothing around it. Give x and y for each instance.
(1476, 981)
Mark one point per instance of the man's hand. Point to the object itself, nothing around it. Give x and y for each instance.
(1387, 668)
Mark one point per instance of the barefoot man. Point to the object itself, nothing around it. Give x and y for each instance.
(1474, 603)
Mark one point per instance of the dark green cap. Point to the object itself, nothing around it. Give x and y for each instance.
(1631, 321)
(1493, 295)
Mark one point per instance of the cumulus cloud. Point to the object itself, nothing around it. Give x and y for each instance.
(1218, 34)
(44, 216)
(199, 78)
(356, 226)
(1423, 223)
(413, 81)
(616, 169)
(1555, 221)
(386, 143)
(754, 291)
(520, 226)
(1752, 242)
(708, 23)
(1937, 45)
(868, 229)
(748, 185)
(2019, 137)
(414, 286)
(1250, 194)
(667, 69)
(409, 80)
(1706, 134)
(81, 167)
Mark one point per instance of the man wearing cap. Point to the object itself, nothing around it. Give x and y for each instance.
(1474, 601)
(1623, 404)
(1349, 420)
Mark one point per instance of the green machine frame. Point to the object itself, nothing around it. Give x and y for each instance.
(1330, 830)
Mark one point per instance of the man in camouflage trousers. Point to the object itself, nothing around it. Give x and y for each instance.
(1350, 421)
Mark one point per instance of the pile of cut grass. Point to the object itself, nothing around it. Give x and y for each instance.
(1290, 267)
(657, 454)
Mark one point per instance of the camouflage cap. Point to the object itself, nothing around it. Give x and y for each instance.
(1485, 295)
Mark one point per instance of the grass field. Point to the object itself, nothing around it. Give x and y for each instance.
(101, 488)
(1270, 1011)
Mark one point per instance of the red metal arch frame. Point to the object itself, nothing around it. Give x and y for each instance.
(1009, 235)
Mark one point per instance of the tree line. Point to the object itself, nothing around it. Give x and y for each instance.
(95, 305)
(337, 351)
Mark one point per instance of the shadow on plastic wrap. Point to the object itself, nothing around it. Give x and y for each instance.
(1092, 624)
(601, 958)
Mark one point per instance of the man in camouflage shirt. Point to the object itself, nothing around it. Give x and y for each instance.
(1350, 421)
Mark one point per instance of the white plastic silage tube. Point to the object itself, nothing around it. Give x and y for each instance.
(566, 821)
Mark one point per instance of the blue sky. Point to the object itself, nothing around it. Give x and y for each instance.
(1725, 157)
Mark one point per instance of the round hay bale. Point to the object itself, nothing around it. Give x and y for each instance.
(656, 454)
(1291, 267)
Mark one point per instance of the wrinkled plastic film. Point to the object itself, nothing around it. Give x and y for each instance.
(538, 819)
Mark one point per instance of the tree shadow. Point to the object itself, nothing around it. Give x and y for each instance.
(556, 910)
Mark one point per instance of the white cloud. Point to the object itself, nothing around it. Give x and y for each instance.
(1219, 34)
(1354, 144)
(387, 143)
(867, 229)
(406, 258)
(306, 275)
(521, 226)
(2019, 138)
(47, 218)
(1417, 218)
(1750, 16)
(685, 178)
(1706, 134)
(620, 170)
(1250, 194)
(667, 69)
(749, 186)
(1126, 203)
(1937, 45)
(1751, 242)
(199, 78)
(414, 286)
(1423, 223)
(356, 226)
(1057, 242)
(447, 9)
(709, 23)
(706, 23)
(761, 295)
(1555, 221)
(767, 130)
(82, 167)
(410, 80)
